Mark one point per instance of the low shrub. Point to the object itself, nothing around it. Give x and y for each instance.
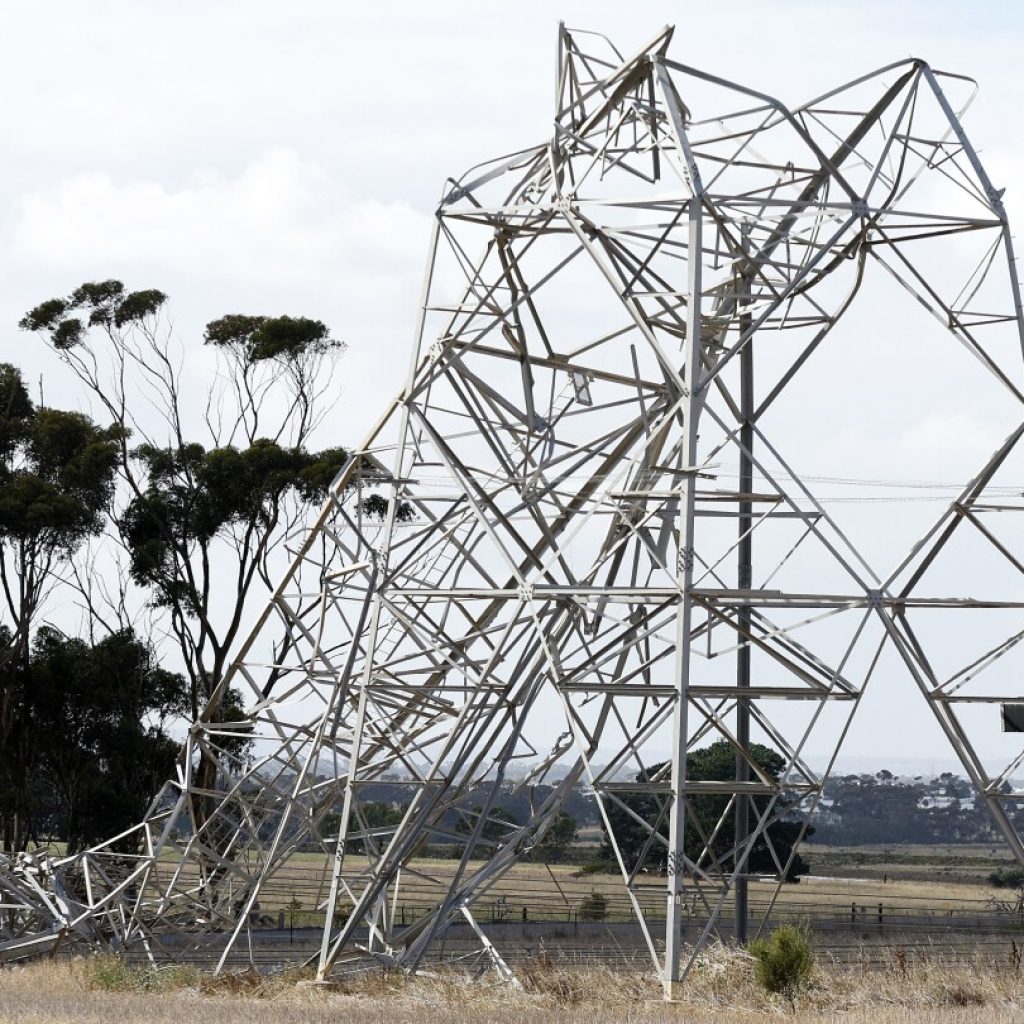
(594, 907)
(1007, 878)
(783, 962)
(961, 995)
(108, 973)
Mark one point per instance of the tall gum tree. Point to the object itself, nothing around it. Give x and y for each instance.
(209, 490)
(57, 483)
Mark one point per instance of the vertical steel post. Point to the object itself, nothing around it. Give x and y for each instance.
(684, 576)
(744, 581)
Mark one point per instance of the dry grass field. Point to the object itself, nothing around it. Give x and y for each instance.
(722, 990)
(553, 892)
(955, 864)
(932, 880)
(891, 988)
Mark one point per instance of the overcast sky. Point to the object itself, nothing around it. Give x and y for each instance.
(285, 158)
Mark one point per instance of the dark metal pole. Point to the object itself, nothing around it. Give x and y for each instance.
(744, 582)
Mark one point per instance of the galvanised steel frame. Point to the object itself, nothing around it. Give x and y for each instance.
(573, 600)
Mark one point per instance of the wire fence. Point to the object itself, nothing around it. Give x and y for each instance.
(862, 931)
(575, 917)
(575, 898)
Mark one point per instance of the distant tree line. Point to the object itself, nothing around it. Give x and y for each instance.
(868, 809)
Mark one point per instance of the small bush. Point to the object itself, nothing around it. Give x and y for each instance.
(1007, 878)
(960, 995)
(108, 973)
(783, 963)
(594, 907)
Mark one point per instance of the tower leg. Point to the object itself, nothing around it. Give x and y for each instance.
(677, 812)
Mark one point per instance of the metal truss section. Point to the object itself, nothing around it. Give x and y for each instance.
(590, 559)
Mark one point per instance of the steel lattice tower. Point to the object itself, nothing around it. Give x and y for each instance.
(560, 585)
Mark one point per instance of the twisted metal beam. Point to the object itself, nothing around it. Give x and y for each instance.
(559, 592)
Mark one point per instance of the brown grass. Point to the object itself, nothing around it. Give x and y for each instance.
(547, 889)
(721, 990)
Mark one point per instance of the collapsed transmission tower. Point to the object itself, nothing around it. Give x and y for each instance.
(535, 574)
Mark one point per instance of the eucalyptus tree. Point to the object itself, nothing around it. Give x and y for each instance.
(57, 479)
(216, 470)
(705, 838)
(98, 714)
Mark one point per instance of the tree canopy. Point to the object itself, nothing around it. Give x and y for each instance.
(203, 507)
(57, 480)
(89, 745)
(207, 466)
(716, 762)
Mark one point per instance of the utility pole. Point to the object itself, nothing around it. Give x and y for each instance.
(744, 582)
(684, 615)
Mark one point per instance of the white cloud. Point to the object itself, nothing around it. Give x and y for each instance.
(280, 222)
(280, 236)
